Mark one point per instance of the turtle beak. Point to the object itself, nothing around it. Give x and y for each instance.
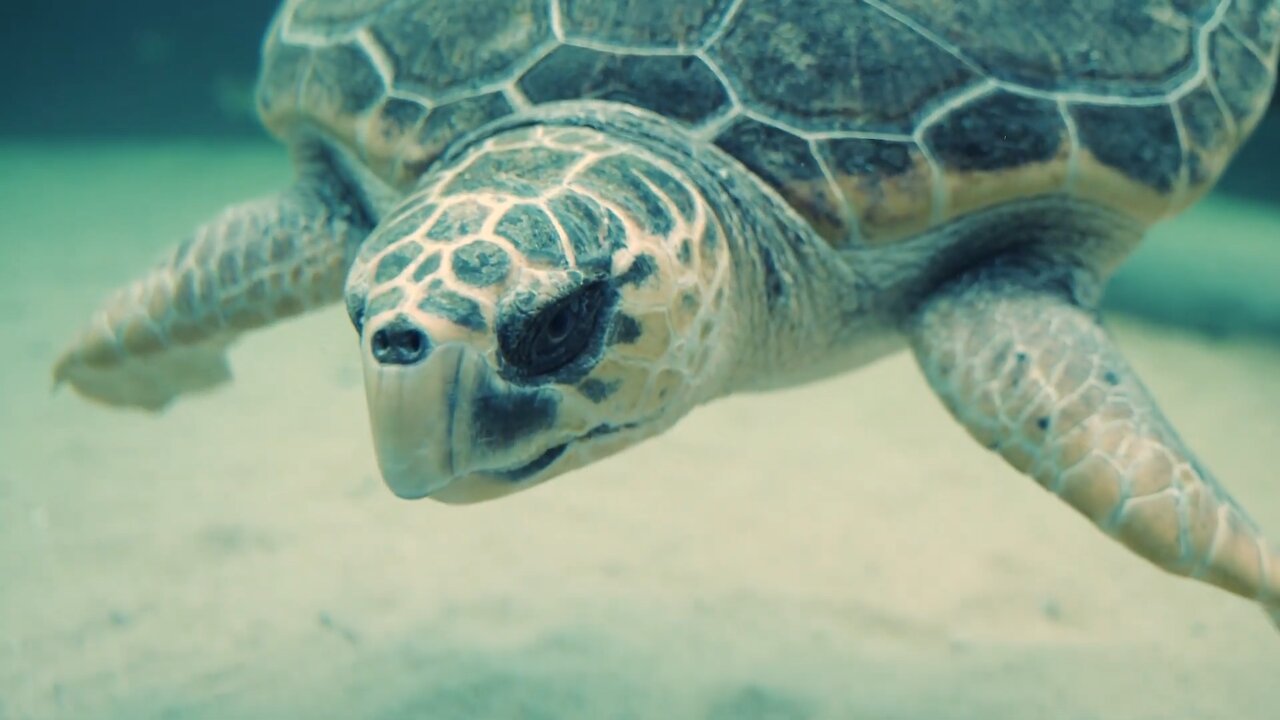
(413, 412)
(447, 425)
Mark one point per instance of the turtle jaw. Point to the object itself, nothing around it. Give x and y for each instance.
(595, 445)
(412, 412)
(448, 428)
(443, 423)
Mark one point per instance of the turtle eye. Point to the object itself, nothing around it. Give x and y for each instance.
(558, 334)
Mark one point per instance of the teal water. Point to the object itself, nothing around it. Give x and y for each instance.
(838, 551)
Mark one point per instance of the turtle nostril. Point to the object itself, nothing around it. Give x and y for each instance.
(399, 344)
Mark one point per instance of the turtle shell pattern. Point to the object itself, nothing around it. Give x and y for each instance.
(874, 119)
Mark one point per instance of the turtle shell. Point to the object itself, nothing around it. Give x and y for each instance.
(875, 120)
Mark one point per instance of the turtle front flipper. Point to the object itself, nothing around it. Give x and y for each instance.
(1018, 358)
(166, 334)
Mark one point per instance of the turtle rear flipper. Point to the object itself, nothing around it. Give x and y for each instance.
(166, 334)
(1017, 357)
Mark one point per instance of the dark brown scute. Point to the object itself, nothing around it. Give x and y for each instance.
(1093, 46)
(997, 131)
(643, 24)
(680, 87)
(787, 163)
(440, 46)
(1239, 75)
(833, 64)
(1141, 143)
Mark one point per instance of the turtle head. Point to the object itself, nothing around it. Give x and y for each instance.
(546, 300)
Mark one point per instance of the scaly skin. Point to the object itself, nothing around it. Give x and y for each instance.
(1033, 376)
(255, 263)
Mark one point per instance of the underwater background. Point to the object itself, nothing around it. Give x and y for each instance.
(841, 550)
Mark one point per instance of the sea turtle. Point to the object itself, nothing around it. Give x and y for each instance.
(559, 225)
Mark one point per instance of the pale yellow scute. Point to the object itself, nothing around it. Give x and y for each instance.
(1103, 185)
(891, 206)
(968, 191)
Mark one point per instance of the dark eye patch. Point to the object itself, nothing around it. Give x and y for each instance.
(562, 338)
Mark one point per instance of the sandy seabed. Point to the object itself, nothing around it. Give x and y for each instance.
(838, 551)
